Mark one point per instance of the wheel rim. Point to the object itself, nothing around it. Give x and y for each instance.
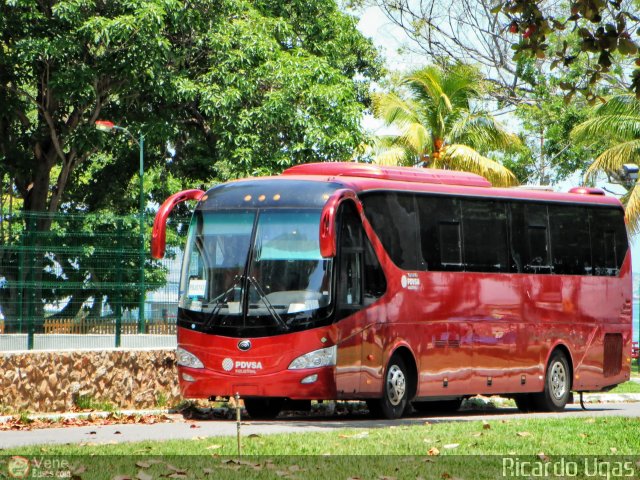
(396, 385)
(558, 381)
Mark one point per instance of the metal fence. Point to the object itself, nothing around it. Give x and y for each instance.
(75, 281)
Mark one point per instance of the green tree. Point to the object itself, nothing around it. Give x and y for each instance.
(237, 87)
(605, 30)
(546, 119)
(616, 126)
(433, 110)
(234, 87)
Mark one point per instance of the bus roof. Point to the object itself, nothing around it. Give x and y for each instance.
(364, 177)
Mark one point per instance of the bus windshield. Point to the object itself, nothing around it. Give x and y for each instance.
(255, 272)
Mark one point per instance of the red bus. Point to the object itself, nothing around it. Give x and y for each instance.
(400, 287)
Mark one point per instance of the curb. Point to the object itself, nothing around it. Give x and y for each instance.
(496, 401)
(65, 415)
(609, 397)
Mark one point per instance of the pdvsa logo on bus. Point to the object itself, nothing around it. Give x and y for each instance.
(410, 281)
(241, 366)
(227, 364)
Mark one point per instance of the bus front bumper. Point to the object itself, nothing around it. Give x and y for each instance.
(307, 384)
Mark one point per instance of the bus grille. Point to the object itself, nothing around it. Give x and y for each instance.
(612, 354)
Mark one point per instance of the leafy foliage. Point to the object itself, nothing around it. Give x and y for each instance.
(236, 87)
(616, 125)
(433, 110)
(604, 29)
(218, 89)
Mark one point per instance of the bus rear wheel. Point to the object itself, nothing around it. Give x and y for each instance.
(557, 388)
(395, 393)
(263, 408)
(557, 385)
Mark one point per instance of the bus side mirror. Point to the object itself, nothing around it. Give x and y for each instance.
(328, 237)
(159, 235)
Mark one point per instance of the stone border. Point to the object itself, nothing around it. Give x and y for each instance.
(48, 381)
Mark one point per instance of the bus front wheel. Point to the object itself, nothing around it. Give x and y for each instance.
(395, 392)
(263, 408)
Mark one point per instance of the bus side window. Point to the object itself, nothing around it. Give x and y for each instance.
(360, 277)
(608, 240)
(440, 233)
(394, 218)
(570, 242)
(375, 283)
(530, 252)
(484, 224)
(350, 269)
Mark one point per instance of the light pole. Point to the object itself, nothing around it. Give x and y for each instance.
(107, 126)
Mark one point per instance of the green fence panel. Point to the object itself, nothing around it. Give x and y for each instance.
(77, 275)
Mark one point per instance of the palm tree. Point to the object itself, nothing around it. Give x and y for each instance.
(616, 125)
(438, 127)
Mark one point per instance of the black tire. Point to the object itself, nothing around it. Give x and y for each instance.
(440, 406)
(263, 408)
(557, 385)
(395, 393)
(524, 402)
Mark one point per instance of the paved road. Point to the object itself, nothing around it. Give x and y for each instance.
(216, 428)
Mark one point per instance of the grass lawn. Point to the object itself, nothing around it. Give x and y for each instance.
(627, 387)
(557, 436)
(458, 449)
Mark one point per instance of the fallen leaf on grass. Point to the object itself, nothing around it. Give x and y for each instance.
(486, 425)
(590, 420)
(451, 445)
(433, 451)
(613, 450)
(583, 435)
(253, 435)
(77, 469)
(355, 435)
(476, 434)
(144, 476)
(523, 434)
(543, 457)
(213, 447)
(173, 468)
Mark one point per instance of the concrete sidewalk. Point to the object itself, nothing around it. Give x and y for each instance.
(589, 398)
(188, 430)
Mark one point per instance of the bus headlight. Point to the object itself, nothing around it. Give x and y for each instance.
(324, 357)
(188, 359)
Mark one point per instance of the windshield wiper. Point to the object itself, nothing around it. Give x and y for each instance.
(268, 304)
(221, 300)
